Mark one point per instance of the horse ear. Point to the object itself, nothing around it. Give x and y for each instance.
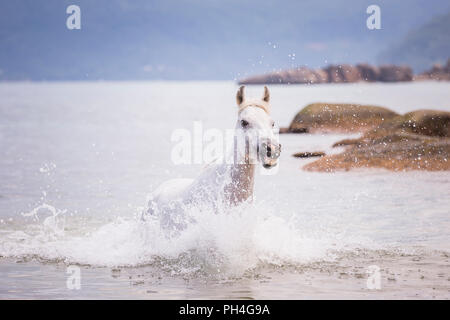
(266, 97)
(240, 96)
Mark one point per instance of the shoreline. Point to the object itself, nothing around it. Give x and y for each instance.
(402, 276)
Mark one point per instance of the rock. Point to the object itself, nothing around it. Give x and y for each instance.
(345, 142)
(309, 154)
(296, 130)
(300, 75)
(334, 74)
(339, 117)
(321, 75)
(437, 72)
(368, 72)
(433, 123)
(418, 140)
(342, 73)
(304, 75)
(392, 73)
(283, 130)
(424, 122)
(399, 156)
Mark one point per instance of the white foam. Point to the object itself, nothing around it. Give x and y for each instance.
(227, 243)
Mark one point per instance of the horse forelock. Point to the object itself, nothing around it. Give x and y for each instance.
(255, 103)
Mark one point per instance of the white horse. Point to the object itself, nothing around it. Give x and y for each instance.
(223, 184)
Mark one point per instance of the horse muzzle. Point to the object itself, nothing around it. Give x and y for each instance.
(268, 154)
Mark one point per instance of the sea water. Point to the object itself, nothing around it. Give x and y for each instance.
(79, 160)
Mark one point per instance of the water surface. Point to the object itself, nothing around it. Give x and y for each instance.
(79, 159)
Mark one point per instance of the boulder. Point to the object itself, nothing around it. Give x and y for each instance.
(339, 118)
(418, 140)
(424, 122)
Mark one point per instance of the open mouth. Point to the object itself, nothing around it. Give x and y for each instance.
(269, 154)
(269, 165)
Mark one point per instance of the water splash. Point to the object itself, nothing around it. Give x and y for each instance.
(52, 225)
(226, 243)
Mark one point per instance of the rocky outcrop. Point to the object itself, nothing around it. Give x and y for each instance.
(334, 117)
(368, 72)
(437, 72)
(418, 140)
(392, 73)
(299, 75)
(343, 73)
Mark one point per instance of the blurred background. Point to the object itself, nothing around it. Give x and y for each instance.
(213, 40)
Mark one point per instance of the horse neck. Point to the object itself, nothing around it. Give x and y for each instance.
(241, 186)
(241, 183)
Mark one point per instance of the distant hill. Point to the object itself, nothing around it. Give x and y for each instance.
(194, 39)
(423, 46)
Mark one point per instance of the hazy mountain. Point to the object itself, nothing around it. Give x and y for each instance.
(423, 46)
(195, 39)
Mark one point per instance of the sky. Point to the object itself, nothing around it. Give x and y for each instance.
(196, 40)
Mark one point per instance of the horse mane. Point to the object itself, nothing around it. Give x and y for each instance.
(255, 103)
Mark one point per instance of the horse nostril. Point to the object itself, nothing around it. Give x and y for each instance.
(269, 151)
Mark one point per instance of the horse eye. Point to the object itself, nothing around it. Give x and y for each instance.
(273, 124)
(244, 124)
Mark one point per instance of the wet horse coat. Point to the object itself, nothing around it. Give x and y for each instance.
(223, 184)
